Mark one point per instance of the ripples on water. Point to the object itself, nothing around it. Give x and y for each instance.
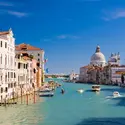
(20, 115)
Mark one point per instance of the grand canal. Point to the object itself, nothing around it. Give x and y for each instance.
(70, 108)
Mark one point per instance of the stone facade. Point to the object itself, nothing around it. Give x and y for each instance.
(7, 64)
(20, 72)
(36, 53)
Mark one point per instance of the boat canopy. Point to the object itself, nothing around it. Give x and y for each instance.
(96, 86)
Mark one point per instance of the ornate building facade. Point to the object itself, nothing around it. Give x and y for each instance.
(7, 63)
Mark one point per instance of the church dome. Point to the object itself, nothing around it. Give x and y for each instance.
(98, 58)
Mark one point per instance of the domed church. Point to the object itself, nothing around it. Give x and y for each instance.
(98, 59)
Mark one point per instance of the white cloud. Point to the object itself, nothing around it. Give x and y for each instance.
(17, 14)
(67, 37)
(46, 40)
(62, 36)
(6, 4)
(14, 13)
(115, 14)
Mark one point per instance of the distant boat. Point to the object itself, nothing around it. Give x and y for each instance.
(80, 90)
(96, 88)
(116, 94)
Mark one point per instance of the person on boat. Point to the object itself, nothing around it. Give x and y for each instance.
(62, 90)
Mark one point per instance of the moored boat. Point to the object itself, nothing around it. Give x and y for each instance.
(96, 88)
(46, 90)
(49, 94)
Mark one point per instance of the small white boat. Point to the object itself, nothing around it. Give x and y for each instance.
(116, 94)
(80, 90)
(96, 88)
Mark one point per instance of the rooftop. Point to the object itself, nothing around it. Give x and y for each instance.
(26, 47)
(4, 32)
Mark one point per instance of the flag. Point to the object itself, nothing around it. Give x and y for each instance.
(47, 70)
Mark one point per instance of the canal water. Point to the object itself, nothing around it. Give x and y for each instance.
(70, 108)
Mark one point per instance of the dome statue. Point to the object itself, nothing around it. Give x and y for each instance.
(98, 58)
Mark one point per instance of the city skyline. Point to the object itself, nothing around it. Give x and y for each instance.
(68, 31)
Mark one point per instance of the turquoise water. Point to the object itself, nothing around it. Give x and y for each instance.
(71, 108)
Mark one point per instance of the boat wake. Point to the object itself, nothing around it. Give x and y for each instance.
(112, 97)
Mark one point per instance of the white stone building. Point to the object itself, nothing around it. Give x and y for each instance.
(23, 67)
(114, 59)
(88, 73)
(83, 76)
(7, 64)
(116, 73)
(73, 76)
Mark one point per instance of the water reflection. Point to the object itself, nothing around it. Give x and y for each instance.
(20, 115)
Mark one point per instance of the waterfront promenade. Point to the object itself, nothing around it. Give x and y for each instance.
(70, 108)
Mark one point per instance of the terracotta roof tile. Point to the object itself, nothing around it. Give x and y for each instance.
(26, 47)
(4, 33)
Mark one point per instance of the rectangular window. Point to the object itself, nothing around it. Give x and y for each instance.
(24, 66)
(1, 58)
(11, 74)
(1, 78)
(6, 89)
(18, 78)
(14, 84)
(18, 65)
(11, 85)
(1, 90)
(5, 45)
(8, 85)
(14, 75)
(1, 44)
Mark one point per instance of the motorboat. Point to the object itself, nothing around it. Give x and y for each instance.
(96, 88)
(49, 94)
(116, 94)
(80, 90)
(46, 90)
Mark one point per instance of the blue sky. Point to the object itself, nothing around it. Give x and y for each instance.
(68, 30)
